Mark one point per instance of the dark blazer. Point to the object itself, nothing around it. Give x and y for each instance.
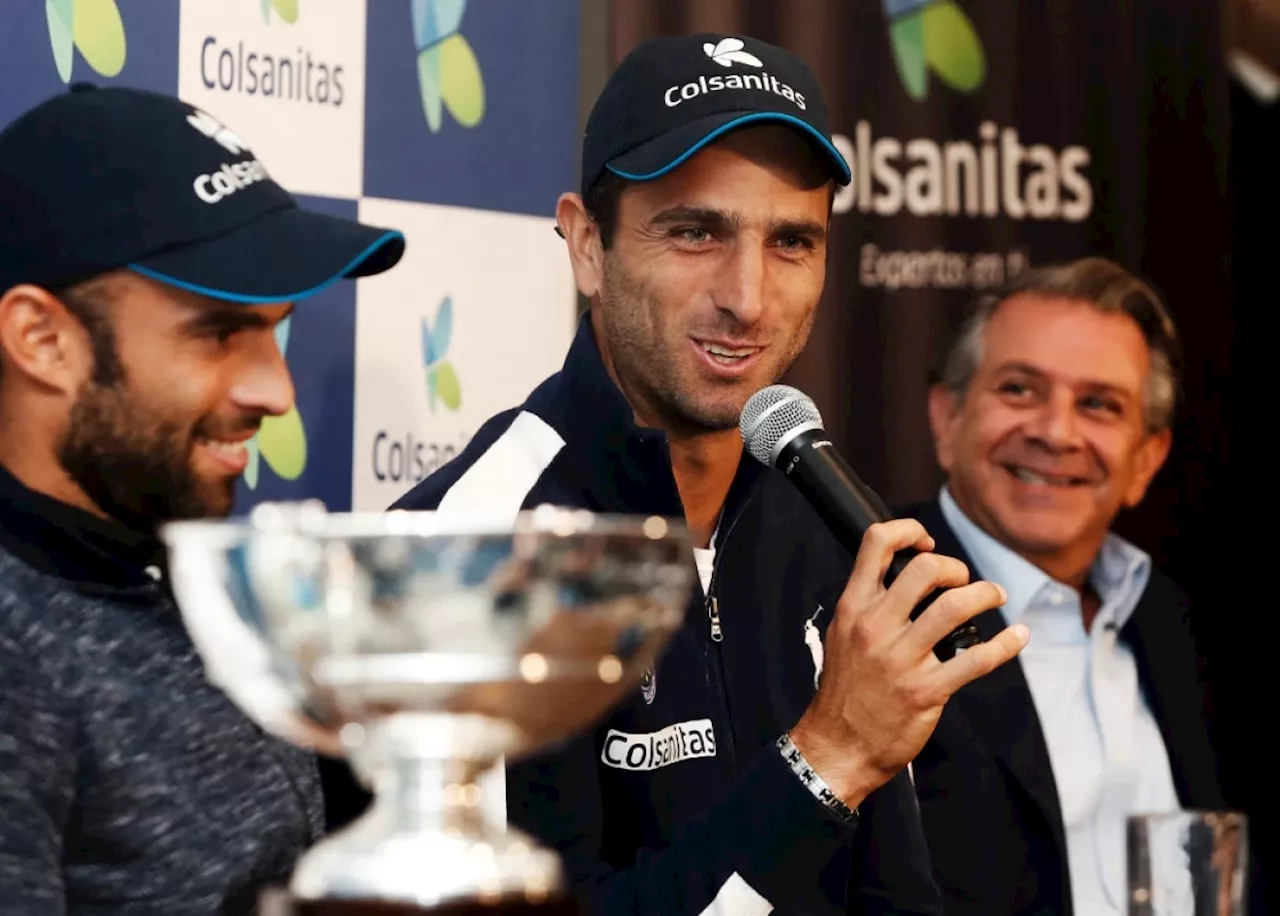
(986, 787)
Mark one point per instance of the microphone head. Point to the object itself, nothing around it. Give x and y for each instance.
(772, 417)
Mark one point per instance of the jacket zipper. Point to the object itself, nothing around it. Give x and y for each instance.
(712, 604)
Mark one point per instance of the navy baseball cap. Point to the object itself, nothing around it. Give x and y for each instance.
(98, 179)
(672, 96)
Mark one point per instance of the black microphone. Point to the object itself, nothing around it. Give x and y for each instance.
(781, 428)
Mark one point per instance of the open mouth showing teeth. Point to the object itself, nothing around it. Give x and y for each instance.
(727, 356)
(224, 447)
(1043, 480)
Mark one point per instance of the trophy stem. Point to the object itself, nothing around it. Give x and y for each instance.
(428, 819)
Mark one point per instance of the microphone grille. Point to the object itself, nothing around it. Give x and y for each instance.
(771, 414)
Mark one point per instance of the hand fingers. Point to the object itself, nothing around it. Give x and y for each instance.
(950, 609)
(980, 660)
(880, 542)
(926, 573)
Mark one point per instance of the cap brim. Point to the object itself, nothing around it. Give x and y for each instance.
(286, 255)
(662, 154)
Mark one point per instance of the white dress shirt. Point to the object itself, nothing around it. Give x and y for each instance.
(1109, 759)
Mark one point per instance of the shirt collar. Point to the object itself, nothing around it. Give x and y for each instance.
(70, 543)
(1119, 574)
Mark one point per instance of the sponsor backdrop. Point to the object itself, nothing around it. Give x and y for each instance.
(452, 121)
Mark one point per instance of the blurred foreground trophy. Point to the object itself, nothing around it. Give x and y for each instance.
(426, 648)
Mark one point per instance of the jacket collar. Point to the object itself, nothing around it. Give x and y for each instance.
(998, 707)
(624, 467)
(61, 540)
(1171, 672)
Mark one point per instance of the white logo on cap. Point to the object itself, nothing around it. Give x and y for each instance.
(230, 177)
(726, 53)
(729, 51)
(211, 127)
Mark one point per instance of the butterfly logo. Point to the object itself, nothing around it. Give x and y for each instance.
(93, 27)
(442, 379)
(729, 51)
(937, 35)
(448, 72)
(285, 9)
(280, 441)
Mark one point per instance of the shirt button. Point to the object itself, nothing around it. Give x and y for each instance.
(153, 572)
(1056, 596)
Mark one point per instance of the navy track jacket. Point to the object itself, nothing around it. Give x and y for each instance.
(678, 802)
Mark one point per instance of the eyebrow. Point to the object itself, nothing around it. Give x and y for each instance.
(1096, 384)
(241, 316)
(728, 221)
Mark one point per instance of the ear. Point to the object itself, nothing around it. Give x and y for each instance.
(586, 248)
(42, 341)
(1152, 452)
(944, 411)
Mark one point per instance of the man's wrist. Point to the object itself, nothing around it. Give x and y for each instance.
(841, 764)
(809, 777)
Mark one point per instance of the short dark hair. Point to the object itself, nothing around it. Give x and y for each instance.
(90, 303)
(1112, 290)
(601, 203)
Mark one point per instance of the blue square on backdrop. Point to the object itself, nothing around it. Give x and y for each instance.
(321, 353)
(522, 152)
(29, 66)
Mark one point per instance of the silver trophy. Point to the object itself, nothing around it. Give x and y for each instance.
(427, 648)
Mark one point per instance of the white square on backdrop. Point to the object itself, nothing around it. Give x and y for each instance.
(294, 91)
(478, 312)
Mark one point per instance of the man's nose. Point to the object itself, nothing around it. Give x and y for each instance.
(741, 288)
(263, 383)
(1056, 422)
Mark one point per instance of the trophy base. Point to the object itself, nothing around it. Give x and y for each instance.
(282, 903)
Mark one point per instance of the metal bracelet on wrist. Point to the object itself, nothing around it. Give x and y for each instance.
(812, 781)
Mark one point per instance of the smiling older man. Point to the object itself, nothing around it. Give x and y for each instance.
(1052, 413)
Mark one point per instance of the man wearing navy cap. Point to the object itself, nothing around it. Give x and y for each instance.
(146, 257)
(727, 783)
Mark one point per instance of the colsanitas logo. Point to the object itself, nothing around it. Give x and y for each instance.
(281, 441)
(729, 51)
(448, 71)
(442, 380)
(285, 9)
(93, 27)
(726, 52)
(641, 753)
(293, 75)
(934, 35)
(212, 187)
(409, 457)
(998, 175)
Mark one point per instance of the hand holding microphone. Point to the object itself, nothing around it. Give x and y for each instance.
(890, 665)
(782, 428)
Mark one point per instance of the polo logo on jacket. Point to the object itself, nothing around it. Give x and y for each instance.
(652, 751)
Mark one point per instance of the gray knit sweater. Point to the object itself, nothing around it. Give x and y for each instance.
(129, 784)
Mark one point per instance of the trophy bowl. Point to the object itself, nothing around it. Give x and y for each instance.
(426, 648)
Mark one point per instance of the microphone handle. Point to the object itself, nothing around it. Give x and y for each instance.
(849, 507)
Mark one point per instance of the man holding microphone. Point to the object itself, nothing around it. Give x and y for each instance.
(700, 239)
